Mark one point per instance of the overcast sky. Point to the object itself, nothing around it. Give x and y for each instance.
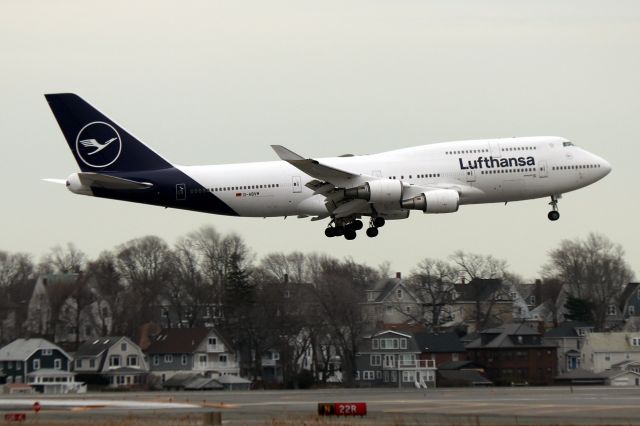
(211, 82)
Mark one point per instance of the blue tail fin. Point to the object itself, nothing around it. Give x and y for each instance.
(98, 143)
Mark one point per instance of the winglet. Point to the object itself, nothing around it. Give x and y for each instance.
(286, 154)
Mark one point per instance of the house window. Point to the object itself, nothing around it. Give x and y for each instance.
(631, 309)
(635, 341)
(375, 344)
(607, 357)
(57, 364)
(399, 293)
(213, 341)
(123, 346)
(403, 343)
(532, 300)
(132, 360)
(612, 310)
(202, 359)
(78, 363)
(168, 358)
(357, 375)
(46, 352)
(156, 360)
(408, 309)
(396, 345)
(370, 297)
(383, 343)
(455, 357)
(18, 365)
(36, 364)
(408, 376)
(114, 361)
(183, 359)
(222, 359)
(367, 375)
(375, 360)
(378, 374)
(92, 363)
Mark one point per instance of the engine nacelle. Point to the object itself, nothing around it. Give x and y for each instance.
(377, 191)
(75, 185)
(436, 201)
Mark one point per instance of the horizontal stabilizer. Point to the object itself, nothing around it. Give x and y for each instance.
(97, 180)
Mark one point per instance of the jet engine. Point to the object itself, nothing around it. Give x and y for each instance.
(436, 201)
(377, 191)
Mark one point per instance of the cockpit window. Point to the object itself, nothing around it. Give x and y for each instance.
(567, 143)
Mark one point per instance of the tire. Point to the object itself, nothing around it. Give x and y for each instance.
(378, 222)
(372, 232)
(553, 215)
(350, 234)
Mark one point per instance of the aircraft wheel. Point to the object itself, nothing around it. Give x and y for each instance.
(553, 215)
(350, 234)
(339, 231)
(330, 232)
(357, 224)
(378, 222)
(372, 232)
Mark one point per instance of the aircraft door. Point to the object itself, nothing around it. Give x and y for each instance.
(543, 169)
(471, 176)
(181, 192)
(494, 148)
(296, 184)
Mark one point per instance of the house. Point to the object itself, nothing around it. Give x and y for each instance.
(439, 347)
(39, 363)
(514, 353)
(629, 301)
(483, 302)
(461, 373)
(391, 358)
(391, 301)
(568, 338)
(601, 351)
(67, 308)
(199, 350)
(114, 361)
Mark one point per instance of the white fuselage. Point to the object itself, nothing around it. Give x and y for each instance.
(482, 171)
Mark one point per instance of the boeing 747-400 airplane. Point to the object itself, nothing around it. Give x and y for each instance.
(435, 178)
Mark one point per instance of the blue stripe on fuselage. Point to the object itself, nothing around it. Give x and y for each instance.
(163, 193)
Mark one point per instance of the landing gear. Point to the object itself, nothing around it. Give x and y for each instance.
(343, 227)
(554, 214)
(372, 232)
(378, 222)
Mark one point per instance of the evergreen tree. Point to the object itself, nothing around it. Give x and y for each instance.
(579, 309)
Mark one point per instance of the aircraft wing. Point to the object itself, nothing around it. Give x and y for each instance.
(322, 172)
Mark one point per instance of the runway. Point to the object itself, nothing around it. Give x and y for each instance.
(544, 405)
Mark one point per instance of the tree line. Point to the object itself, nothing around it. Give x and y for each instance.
(293, 303)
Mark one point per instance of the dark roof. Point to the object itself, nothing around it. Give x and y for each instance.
(385, 287)
(505, 337)
(458, 365)
(567, 329)
(95, 347)
(478, 289)
(626, 293)
(580, 374)
(462, 377)
(438, 342)
(178, 340)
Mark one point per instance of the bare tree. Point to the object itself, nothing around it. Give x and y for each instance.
(112, 294)
(594, 270)
(486, 275)
(432, 283)
(145, 265)
(63, 260)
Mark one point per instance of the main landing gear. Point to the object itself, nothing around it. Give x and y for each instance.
(348, 229)
(554, 214)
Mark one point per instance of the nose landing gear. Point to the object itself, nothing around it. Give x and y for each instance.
(554, 214)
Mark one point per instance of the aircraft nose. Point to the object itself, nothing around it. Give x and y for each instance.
(604, 166)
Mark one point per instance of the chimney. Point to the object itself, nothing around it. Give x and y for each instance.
(399, 275)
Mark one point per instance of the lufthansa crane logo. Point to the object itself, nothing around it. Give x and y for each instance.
(98, 144)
